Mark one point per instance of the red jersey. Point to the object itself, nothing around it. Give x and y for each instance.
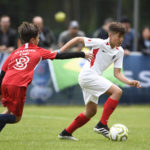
(19, 66)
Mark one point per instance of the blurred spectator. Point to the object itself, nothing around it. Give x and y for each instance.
(8, 36)
(73, 31)
(144, 41)
(8, 39)
(127, 43)
(41, 89)
(102, 32)
(47, 38)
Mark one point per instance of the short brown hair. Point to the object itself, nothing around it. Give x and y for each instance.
(117, 27)
(27, 31)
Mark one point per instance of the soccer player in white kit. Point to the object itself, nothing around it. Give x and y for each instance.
(93, 84)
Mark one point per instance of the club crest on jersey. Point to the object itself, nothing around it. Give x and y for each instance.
(103, 51)
(114, 57)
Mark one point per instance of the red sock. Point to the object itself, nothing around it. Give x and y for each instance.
(78, 122)
(109, 107)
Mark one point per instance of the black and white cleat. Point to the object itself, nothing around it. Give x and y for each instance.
(102, 130)
(65, 135)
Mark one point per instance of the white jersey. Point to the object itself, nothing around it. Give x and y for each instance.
(92, 83)
(103, 56)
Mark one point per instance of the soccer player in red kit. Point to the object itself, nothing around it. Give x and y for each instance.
(93, 84)
(17, 71)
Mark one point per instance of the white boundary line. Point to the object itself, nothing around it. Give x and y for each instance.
(45, 117)
(52, 117)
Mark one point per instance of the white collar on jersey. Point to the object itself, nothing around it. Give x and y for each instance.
(26, 45)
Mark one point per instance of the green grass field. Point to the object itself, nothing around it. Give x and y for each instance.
(40, 126)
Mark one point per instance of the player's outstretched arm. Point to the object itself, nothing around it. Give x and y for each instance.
(71, 43)
(121, 77)
(66, 55)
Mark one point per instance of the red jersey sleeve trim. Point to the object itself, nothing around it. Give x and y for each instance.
(54, 55)
(47, 54)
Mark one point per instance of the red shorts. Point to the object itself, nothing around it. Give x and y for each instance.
(13, 98)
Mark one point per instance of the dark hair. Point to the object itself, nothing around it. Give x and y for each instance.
(108, 20)
(117, 27)
(125, 19)
(145, 27)
(27, 31)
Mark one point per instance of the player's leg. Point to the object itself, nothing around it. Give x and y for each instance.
(115, 93)
(2, 125)
(83, 117)
(14, 104)
(80, 120)
(8, 118)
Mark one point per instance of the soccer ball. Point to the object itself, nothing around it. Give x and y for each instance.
(60, 16)
(118, 132)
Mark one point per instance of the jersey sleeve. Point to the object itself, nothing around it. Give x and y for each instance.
(119, 62)
(5, 65)
(46, 54)
(92, 42)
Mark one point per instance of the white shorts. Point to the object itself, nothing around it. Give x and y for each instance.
(93, 86)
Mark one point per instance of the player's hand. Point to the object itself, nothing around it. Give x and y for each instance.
(10, 49)
(88, 56)
(135, 83)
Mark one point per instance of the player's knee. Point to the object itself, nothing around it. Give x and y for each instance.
(119, 92)
(17, 119)
(90, 113)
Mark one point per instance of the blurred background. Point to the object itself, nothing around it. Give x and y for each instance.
(61, 20)
(90, 13)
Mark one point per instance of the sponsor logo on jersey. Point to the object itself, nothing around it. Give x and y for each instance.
(103, 51)
(114, 57)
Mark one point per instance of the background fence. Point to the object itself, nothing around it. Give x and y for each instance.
(57, 83)
(90, 13)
